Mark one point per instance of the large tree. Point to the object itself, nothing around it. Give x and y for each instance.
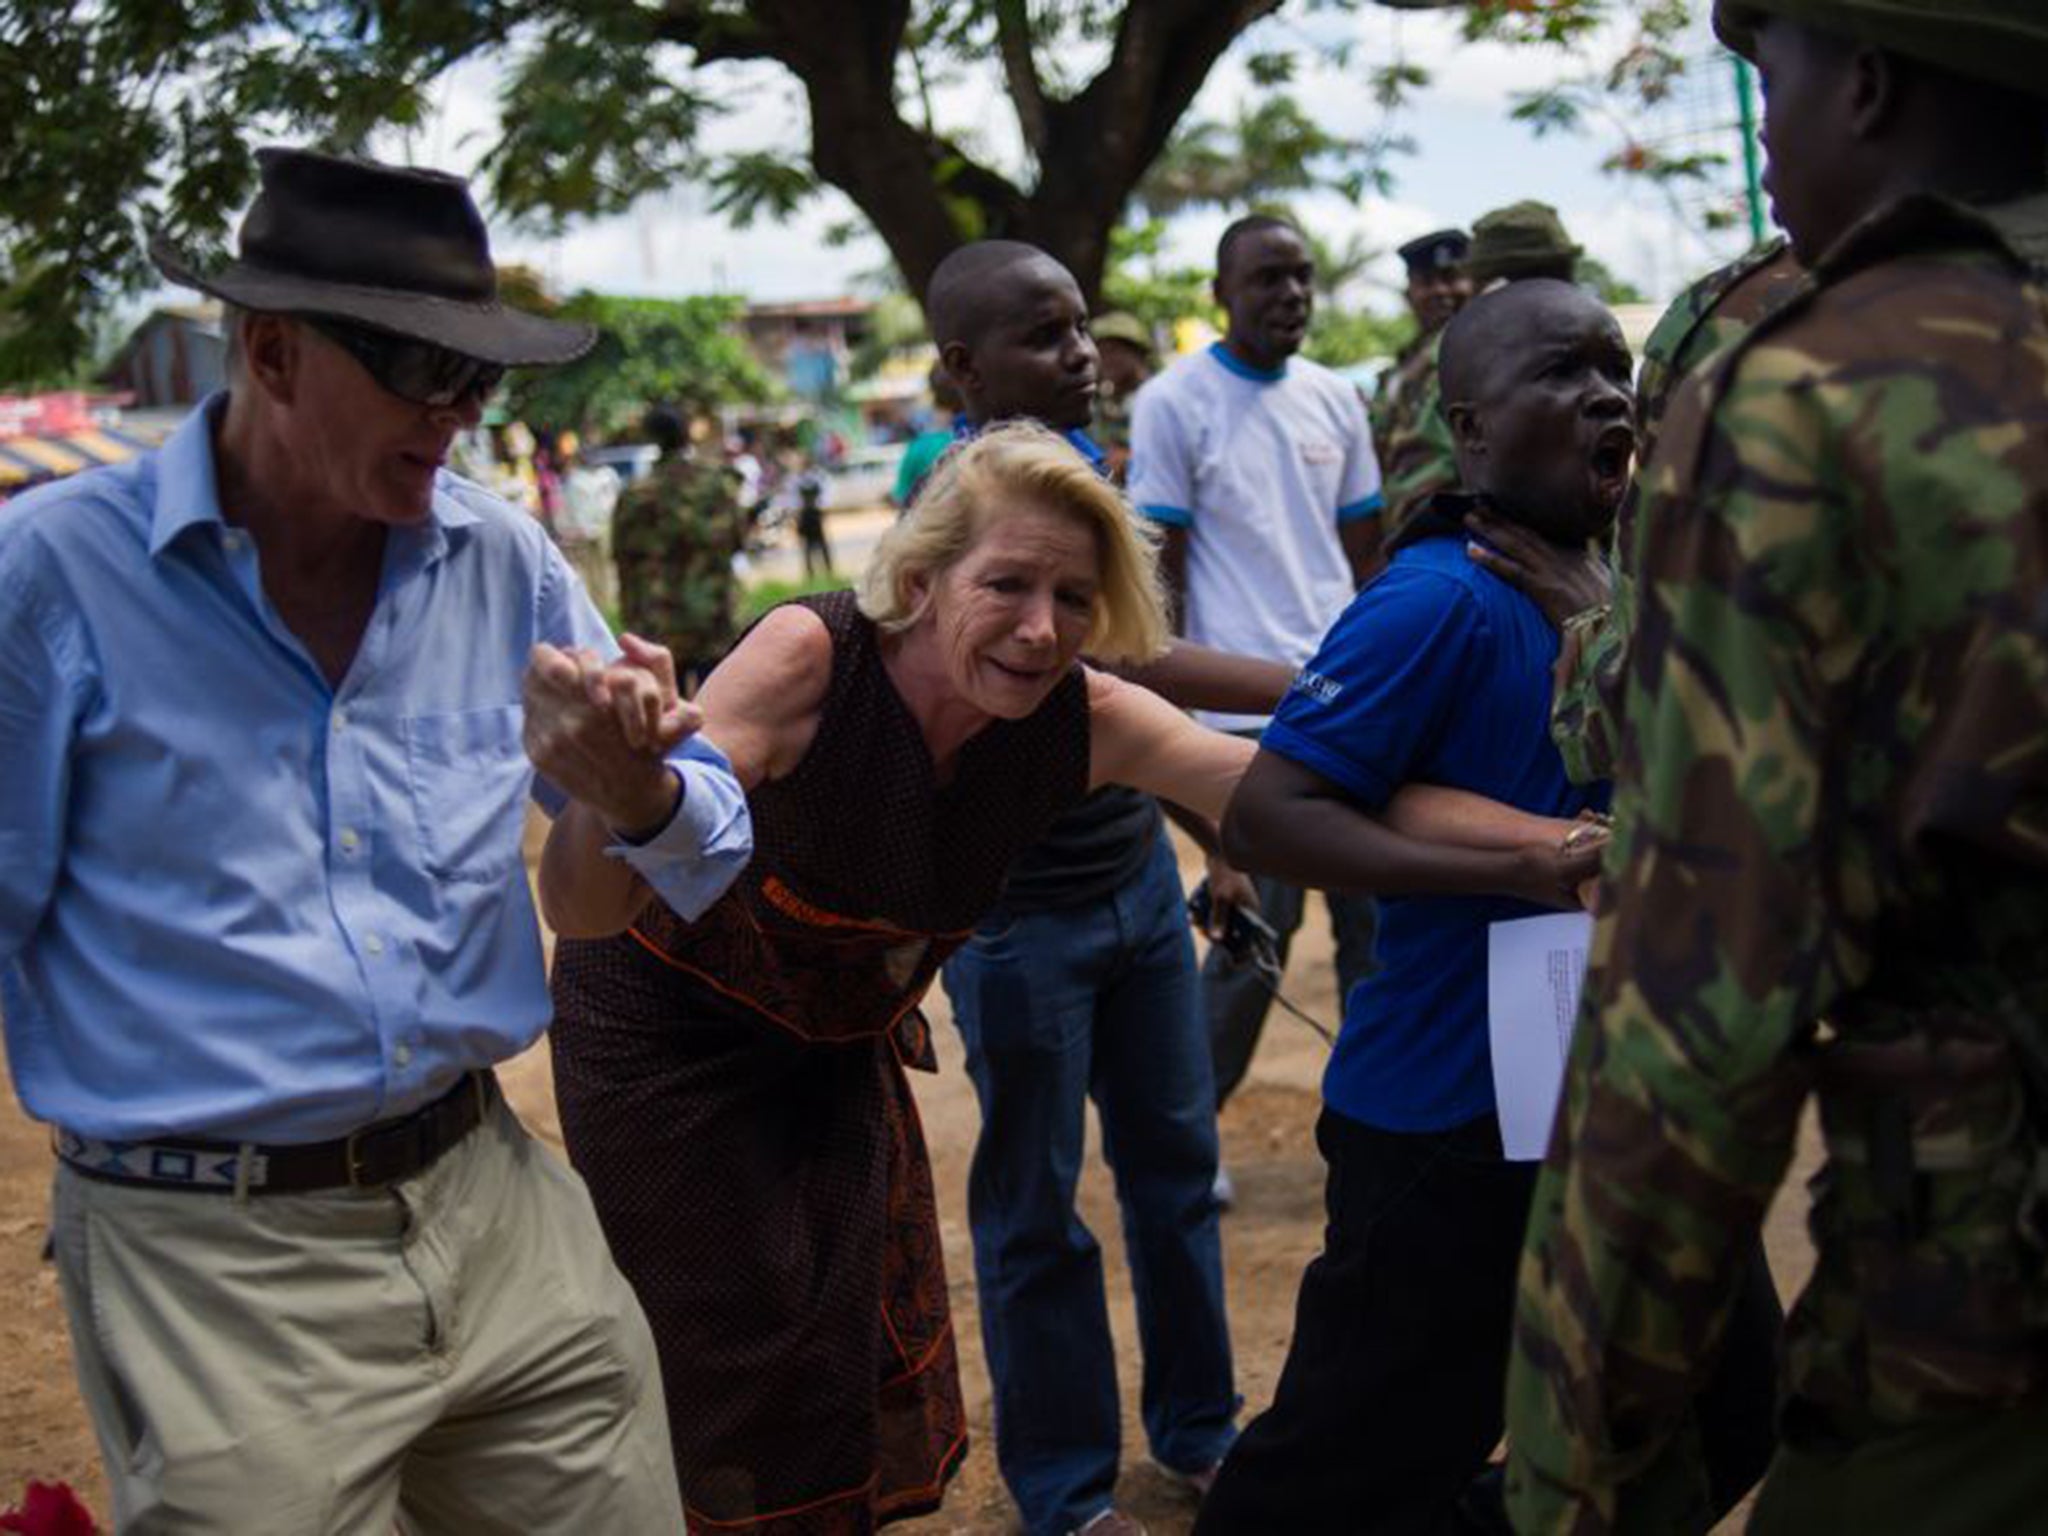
(121, 115)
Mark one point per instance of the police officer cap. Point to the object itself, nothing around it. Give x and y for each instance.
(1435, 252)
(2002, 41)
(1511, 240)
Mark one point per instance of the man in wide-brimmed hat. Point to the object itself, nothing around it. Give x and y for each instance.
(1830, 866)
(264, 924)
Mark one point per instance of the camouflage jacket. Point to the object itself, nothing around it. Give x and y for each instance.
(1717, 310)
(1710, 315)
(674, 536)
(1829, 877)
(1410, 435)
(1387, 408)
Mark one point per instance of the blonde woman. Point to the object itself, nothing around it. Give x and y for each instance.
(734, 1088)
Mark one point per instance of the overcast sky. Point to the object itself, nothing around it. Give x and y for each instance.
(1470, 158)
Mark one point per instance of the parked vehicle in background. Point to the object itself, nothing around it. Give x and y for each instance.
(629, 461)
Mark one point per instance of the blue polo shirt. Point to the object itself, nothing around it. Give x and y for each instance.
(1437, 673)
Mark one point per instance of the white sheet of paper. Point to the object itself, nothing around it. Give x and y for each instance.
(1535, 967)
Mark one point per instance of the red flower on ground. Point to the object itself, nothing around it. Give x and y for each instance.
(49, 1509)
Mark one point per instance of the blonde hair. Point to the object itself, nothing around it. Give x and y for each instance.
(1017, 465)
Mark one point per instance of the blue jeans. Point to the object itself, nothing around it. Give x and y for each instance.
(1094, 1000)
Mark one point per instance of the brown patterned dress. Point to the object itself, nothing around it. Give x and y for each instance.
(733, 1090)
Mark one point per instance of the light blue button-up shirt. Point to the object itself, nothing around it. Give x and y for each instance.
(238, 903)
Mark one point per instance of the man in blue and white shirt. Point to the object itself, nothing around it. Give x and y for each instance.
(264, 925)
(1259, 468)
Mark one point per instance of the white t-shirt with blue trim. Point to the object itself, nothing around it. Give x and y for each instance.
(1261, 469)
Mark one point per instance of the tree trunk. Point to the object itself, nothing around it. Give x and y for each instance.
(926, 197)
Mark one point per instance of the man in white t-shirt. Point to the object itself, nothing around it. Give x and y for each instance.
(1258, 466)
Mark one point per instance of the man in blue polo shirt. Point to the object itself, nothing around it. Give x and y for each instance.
(1439, 672)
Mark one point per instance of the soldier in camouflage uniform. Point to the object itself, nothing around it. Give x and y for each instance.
(1437, 289)
(1416, 459)
(1831, 833)
(674, 535)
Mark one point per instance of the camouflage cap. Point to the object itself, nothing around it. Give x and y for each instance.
(1121, 325)
(2002, 41)
(1509, 241)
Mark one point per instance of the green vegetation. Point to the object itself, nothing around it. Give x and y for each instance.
(131, 116)
(760, 596)
(681, 352)
(1339, 337)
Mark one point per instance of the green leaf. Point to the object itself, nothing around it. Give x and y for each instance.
(570, 150)
(1270, 69)
(745, 187)
(683, 352)
(1554, 110)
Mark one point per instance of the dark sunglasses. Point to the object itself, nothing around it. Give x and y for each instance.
(413, 370)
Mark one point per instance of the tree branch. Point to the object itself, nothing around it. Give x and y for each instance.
(1020, 71)
(816, 36)
(1164, 50)
(923, 194)
(1100, 142)
(715, 36)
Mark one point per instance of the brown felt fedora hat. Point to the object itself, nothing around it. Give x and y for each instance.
(401, 250)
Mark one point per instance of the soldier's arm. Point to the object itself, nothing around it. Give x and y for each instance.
(1590, 662)
(1721, 941)
(1420, 462)
(1591, 606)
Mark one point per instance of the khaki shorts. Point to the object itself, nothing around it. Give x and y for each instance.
(453, 1353)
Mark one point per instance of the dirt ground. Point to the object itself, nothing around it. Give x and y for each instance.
(1268, 1237)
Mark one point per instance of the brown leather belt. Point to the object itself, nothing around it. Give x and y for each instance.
(376, 1155)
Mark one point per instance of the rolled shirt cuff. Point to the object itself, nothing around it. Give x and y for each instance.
(693, 860)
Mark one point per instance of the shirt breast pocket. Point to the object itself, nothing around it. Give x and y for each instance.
(469, 778)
